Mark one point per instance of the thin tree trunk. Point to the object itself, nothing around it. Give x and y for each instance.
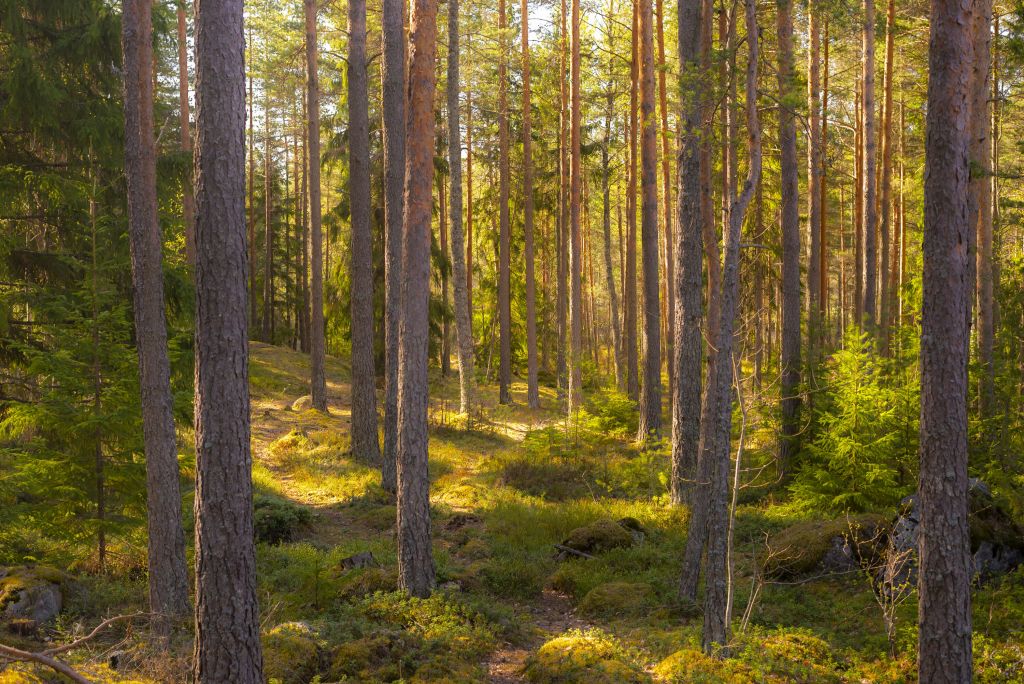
(629, 294)
(227, 644)
(445, 352)
(886, 224)
(469, 195)
(463, 330)
(688, 277)
(504, 227)
(868, 174)
(790, 372)
(563, 205)
(607, 209)
(251, 120)
(317, 340)
(268, 226)
(858, 200)
(532, 391)
(364, 378)
(981, 190)
(168, 578)
(822, 186)
(415, 559)
(815, 322)
(575, 392)
(650, 397)
(187, 196)
(944, 612)
(666, 182)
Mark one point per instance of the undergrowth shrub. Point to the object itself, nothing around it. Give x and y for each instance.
(278, 520)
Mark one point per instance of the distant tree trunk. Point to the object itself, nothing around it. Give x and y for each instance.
(306, 322)
(469, 195)
(504, 227)
(187, 196)
(629, 298)
(532, 391)
(717, 414)
(415, 560)
(822, 187)
(168, 577)
(463, 330)
(562, 305)
(666, 182)
(688, 277)
(613, 298)
(981, 191)
(393, 106)
(944, 613)
(251, 120)
(575, 188)
(268, 227)
(227, 644)
(318, 381)
(364, 378)
(814, 172)
(445, 352)
(858, 238)
(790, 373)
(885, 227)
(650, 398)
(869, 162)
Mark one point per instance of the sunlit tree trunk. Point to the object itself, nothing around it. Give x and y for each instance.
(187, 198)
(870, 215)
(504, 227)
(562, 305)
(666, 182)
(317, 341)
(885, 227)
(629, 295)
(532, 391)
(575, 393)
(815, 321)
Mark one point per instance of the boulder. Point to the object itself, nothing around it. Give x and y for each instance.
(814, 548)
(30, 595)
(303, 403)
(583, 658)
(599, 536)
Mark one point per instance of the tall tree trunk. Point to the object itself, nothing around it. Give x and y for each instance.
(629, 296)
(858, 200)
(469, 194)
(718, 406)
(532, 391)
(306, 315)
(251, 120)
(650, 397)
(575, 392)
(364, 378)
(688, 277)
(317, 341)
(868, 174)
(463, 330)
(562, 306)
(504, 227)
(981, 190)
(415, 560)
(445, 352)
(227, 645)
(790, 372)
(822, 187)
(268, 226)
(886, 224)
(944, 611)
(666, 182)
(613, 298)
(168, 578)
(187, 196)
(815, 322)
(393, 106)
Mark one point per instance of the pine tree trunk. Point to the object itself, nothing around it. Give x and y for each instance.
(251, 120)
(650, 397)
(575, 389)
(187, 196)
(885, 227)
(504, 227)
(364, 378)
(613, 298)
(415, 560)
(268, 227)
(944, 612)
(317, 340)
(790, 373)
(227, 646)
(562, 306)
(442, 229)
(870, 214)
(688, 277)
(815, 321)
(981, 191)
(532, 391)
(822, 187)
(629, 295)
(168, 577)
(463, 330)
(393, 106)
(666, 182)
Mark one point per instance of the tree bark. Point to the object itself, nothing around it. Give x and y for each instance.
(822, 187)
(168, 576)
(629, 296)
(268, 225)
(815, 321)
(613, 299)
(981, 191)
(463, 330)
(886, 227)
(650, 397)
(317, 341)
(666, 181)
(415, 559)
(251, 120)
(364, 378)
(790, 372)
(562, 305)
(575, 392)
(227, 646)
(393, 106)
(504, 227)
(688, 277)
(868, 174)
(944, 612)
(187, 197)
(532, 391)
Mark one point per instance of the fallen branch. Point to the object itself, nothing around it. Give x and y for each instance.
(17, 654)
(91, 635)
(568, 549)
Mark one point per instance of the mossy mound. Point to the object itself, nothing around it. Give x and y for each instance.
(792, 656)
(379, 518)
(591, 657)
(692, 666)
(303, 403)
(599, 536)
(823, 547)
(277, 520)
(291, 654)
(364, 581)
(383, 657)
(442, 672)
(618, 599)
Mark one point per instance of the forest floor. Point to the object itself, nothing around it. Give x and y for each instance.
(504, 491)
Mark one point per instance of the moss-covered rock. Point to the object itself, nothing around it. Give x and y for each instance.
(291, 654)
(787, 655)
(823, 547)
(599, 536)
(30, 594)
(364, 581)
(591, 657)
(383, 657)
(690, 666)
(618, 599)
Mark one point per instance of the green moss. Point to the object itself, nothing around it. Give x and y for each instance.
(618, 599)
(601, 535)
(792, 656)
(385, 656)
(363, 581)
(799, 550)
(290, 653)
(690, 666)
(591, 657)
